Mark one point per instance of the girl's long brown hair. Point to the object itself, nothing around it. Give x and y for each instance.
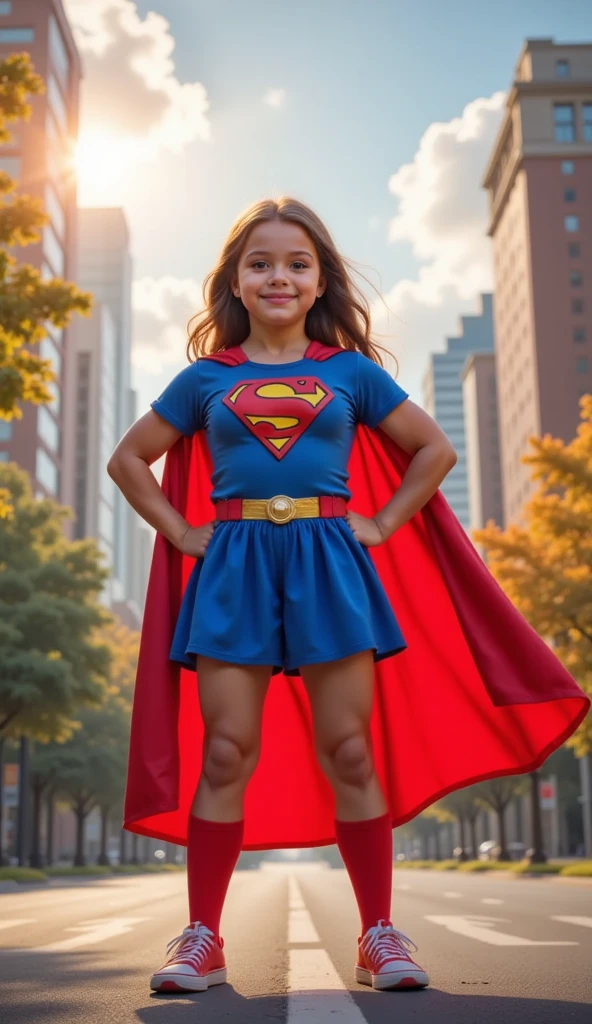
(340, 318)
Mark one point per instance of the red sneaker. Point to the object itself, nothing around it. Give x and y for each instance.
(194, 962)
(383, 960)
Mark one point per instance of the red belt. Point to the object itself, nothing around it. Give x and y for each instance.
(280, 509)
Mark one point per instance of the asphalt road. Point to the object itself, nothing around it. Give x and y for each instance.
(498, 951)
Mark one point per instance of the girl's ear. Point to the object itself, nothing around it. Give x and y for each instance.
(321, 287)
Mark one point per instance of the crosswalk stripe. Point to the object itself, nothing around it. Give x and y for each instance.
(585, 922)
(474, 926)
(310, 973)
(95, 931)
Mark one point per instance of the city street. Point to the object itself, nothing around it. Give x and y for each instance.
(497, 950)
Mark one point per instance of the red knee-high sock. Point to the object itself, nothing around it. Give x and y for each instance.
(213, 848)
(367, 851)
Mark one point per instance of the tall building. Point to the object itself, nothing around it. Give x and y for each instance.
(443, 397)
(37, 157)
(539, 181)
(482, 440)
(105, 269)
(95, 434)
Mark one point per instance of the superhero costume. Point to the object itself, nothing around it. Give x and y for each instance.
(476, 694)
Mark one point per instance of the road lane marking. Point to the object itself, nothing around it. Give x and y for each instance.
(475, 926)
(453, 895)
(492, 901)
(16, 921)
(95, 931)
(585, 922)
(316, 992)
(300, 925)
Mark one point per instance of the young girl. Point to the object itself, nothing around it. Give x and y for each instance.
(285, 389)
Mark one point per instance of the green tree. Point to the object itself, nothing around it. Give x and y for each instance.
(27, 302)
(51, 662)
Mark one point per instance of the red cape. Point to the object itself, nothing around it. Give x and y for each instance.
(477, 693)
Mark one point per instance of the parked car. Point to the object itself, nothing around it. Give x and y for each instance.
(490, 850)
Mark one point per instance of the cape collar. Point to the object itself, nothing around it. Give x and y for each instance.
(235, 356)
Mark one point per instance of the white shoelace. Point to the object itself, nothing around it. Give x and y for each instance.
(383, 939)
(195, 944)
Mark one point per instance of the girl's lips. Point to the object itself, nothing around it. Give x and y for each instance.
(278, 300)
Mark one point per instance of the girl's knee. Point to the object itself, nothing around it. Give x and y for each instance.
(228, 761)
(350, 761)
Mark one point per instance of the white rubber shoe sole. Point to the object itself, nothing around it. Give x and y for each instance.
(171, 982)
(408, 977)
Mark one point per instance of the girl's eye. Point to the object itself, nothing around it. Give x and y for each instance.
(299, 263)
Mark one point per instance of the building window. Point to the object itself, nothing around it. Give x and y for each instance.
(5, 430)
(575, 278)
(46, 471)
(56, 103)
(55, 210)
(577, 305)
(562, 69)
(582, 364)
(569, 195)
(579, 334)
(53, 249)
(564, 116)
(572, 223)
(58, 52)
(568, 167)
(573, 250)
(12, 166)
(587, 121)
(5, 7)
(48, 430)
(47, 350)
(17, 35)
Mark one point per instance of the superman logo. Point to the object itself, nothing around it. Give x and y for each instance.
(278, 411)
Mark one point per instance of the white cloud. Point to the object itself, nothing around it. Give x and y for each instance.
(275, 97)
(129, 87)
(162, 309)
(442, 214)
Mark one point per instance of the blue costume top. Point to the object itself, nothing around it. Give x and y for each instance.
(279, 429)
(306, 591)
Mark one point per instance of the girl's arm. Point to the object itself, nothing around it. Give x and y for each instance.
(433, 457)
(147, 440)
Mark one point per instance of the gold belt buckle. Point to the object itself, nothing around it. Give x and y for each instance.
(280, 508)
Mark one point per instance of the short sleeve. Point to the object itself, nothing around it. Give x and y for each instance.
(179, 404)
(378, 392)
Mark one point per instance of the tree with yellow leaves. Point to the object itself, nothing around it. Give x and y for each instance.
(545, 567)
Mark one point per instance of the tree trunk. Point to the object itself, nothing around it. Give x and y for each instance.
(50, 813)
(146, 850)
(135, 858)
(501, 824)
(536, 855)
(22, 840)
(438, 847)
(103, 858)
(463, 841)
(3, 859)
(36, 855)
(123, 847)
(474, 844)
(79, 858)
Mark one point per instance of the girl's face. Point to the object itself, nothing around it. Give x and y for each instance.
(278, 259)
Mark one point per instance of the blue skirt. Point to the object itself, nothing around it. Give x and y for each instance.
(285, 595)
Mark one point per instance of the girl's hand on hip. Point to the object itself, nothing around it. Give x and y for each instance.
(196, 539)
(367, 531)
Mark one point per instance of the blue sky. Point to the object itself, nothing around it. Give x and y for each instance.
(380, 115)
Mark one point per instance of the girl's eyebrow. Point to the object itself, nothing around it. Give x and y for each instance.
(265, 252)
